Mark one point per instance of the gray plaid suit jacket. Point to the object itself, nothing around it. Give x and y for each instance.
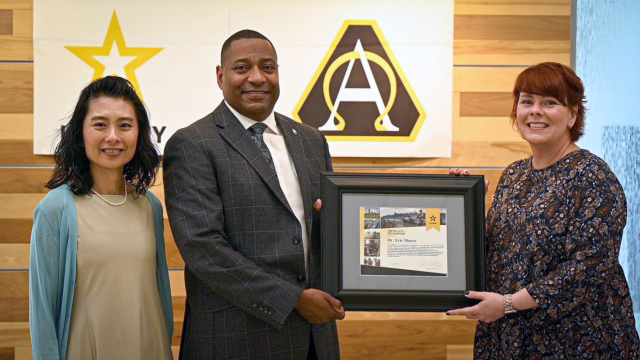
(241, 241)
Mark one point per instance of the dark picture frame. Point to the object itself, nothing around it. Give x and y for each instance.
(344, 193)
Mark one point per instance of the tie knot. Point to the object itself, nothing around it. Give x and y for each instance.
(258, 129)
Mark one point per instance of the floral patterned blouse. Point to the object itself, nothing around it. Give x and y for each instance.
(557, 232)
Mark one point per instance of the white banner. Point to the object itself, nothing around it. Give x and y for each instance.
(375, 77)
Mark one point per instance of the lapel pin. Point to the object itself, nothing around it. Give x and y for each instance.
(294, 131)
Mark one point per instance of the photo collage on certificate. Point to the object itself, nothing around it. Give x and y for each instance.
(403, 241)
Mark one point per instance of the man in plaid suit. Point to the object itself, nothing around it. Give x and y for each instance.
(240, 188)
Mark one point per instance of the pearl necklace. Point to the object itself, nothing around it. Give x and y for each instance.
(109, 202)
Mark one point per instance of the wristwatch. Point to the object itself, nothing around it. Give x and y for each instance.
(508, 305)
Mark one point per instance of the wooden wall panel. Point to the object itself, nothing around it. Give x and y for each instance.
(7, 353)
(14, 256)
(490, 49)
(18, 206)
(16, 88)
(174, 260)
(16, 48)
(23, 22)
(511, 8)
(20, 152)
(504, 27)
(16, 42)
(485, 104)
(485, 79)
(14, 334)
(24, 180)
(484, 100)
(514, 3)
(381, 335)
(482, 153)
(468, 129)
(14, 309)
(375, 350)
(14, 299)
(6, 22)
(16, 127)
(16, 4)
(510, 52)
(15, 230)
(459, 352)
(24, 353)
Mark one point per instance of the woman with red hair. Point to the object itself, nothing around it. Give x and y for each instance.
(555, 286)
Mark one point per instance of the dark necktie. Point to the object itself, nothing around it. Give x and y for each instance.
(258, 131)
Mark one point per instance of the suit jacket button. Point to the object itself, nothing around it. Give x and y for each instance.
(296, 240)
(301, 278)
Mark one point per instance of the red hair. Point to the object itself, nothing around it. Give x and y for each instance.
(558, 81)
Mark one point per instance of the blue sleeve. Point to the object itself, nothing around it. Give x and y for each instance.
(44, 286)
(162, 272)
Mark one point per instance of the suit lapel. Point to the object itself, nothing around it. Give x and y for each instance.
(239, 139)
(293, 139)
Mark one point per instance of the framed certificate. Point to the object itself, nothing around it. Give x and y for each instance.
(395, 242)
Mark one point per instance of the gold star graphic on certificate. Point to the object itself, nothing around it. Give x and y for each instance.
(120, 60)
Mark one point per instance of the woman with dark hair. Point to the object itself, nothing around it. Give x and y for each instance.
(555, 287)
(99, 285)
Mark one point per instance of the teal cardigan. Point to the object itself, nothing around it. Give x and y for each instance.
(52, 272)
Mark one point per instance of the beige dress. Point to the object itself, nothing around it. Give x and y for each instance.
(117, 312)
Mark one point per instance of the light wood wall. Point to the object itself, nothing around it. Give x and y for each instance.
(493, 41)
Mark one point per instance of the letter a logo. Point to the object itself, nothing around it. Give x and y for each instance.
(359, 92)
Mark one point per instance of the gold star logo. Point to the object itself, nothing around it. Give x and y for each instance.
(120, 60)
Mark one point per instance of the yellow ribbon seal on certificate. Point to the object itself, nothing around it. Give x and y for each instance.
(433, 219)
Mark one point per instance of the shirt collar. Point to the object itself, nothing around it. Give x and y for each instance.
(246, 122)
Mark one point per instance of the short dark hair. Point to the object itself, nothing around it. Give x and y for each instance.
(558, 81)
(242, 34)
(72, 165)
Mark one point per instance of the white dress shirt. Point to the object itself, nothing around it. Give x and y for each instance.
(285, 169)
